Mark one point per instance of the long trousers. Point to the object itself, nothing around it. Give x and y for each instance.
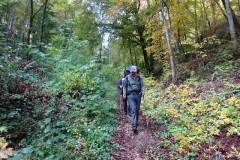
(134, 100)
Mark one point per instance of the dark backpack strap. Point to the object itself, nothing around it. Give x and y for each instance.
(126, 83)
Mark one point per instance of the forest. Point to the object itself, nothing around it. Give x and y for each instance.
(60, 61)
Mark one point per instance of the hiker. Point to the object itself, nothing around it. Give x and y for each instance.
(120, 85)
(133, 90)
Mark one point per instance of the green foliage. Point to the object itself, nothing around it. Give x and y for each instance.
(17, 88)
(64, 107)
(194, 112)
(78, 119)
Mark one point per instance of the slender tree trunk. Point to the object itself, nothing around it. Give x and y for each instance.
(205, 16)
(131, 54)
(32, 15)
(213, 20)
(197, 38)
(30, 27)
(151, 61)
(143, 46)
(148, 2)
(21, 35)
(174, 78)
(9, 24)
(219, 6)
(30, 23)
(176, 36)
(43, 22)
(23, 24)
(238, 5)
(234, 18)
(230, 21)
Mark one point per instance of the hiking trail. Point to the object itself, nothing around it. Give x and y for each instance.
(135, 146)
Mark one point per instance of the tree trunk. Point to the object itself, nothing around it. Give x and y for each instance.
(197, 37)
(213, 19)
(151, 61)
(21, 35)
(130, 50)
(42, 26)
(30, 27)
(230, 21)
(238, 5)
(20, 38)
(9, 25)
(174, 78)
(219, 6)
(176, 36)
(148, 2)
(205, 19)
(143, 46)
(234, 19)
(30, 23)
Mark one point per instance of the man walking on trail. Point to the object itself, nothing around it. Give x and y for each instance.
(120, 85)
(133, 89)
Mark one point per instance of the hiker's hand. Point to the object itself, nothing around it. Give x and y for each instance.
(124, 96)
(120, 86)
(143, 93)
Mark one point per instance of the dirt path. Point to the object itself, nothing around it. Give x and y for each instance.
(134, 146)
(146, 145)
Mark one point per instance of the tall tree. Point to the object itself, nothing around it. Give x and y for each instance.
(233, 17)
(174, 77)
(24, 22)
(230, 21)
(9, 24)
(43, 23)
(85, 26)
(30, 24)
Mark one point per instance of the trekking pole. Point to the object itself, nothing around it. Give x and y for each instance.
(121, 104)
(144, 104)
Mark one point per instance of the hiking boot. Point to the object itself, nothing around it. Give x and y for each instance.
(134, 130)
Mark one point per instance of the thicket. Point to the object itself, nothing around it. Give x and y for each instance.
(201, 113)
(59, 105)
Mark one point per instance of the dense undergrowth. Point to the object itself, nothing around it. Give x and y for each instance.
(58, 106)
(202, 115)
(61, 105)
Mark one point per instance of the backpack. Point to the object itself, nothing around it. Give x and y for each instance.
(127, 71)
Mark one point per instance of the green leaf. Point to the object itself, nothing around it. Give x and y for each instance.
(47, 120)
(50, 157)
(47, 129)
(27, 150)
(60, 123)
(47, 112)
(50, 141)
(3, 129)
(17, 156)
(3, 116)
(62, 136)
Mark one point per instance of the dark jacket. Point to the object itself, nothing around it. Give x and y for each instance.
(120, 83)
